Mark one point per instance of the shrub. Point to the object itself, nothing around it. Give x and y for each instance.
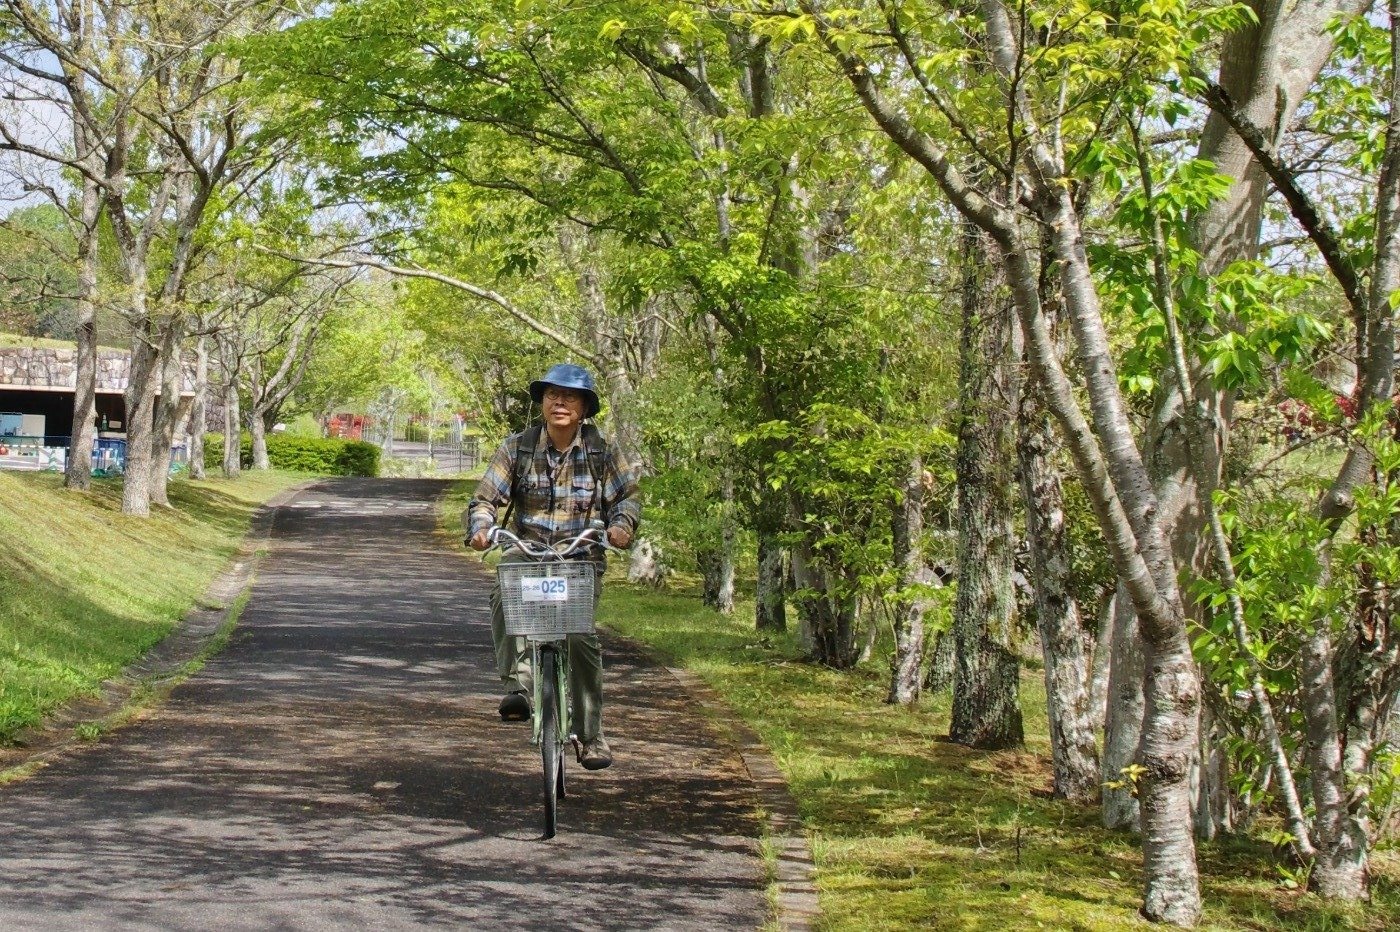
(302, 454)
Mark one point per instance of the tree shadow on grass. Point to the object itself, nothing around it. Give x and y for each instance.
(919, 832)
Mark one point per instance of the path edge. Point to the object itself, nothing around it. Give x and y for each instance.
(795, 872)
(213, 615)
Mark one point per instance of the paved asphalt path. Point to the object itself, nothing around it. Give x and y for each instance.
(341, 765)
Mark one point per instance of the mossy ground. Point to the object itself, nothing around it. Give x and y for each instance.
(912, 832)
(85, 590)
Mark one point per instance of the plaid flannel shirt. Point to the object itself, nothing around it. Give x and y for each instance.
(556, 503)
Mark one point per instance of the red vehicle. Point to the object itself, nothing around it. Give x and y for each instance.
(348, 426)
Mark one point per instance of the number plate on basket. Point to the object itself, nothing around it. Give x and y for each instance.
(544, 589)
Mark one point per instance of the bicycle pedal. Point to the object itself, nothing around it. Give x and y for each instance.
(578, 748)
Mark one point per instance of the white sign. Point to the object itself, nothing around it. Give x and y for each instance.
(544, 589)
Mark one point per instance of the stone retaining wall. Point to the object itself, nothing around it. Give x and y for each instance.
(56, 369)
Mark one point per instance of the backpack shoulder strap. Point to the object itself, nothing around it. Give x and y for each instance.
(524, 454)
(597, 449)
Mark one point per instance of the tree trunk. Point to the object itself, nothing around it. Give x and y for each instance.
(167, 411)
(1103, 649)
(1369, 663)
(986, 681)
(1123, 717)
(1341, 868)
(941, 659)
(869, 621)
(1215, 811)
(622, 413)
(78, 471)
(1171, 695)
(907, 528)
(258, 428)
(1120, 488)
(199, 410)
(1063, 639)
(1267, 67)
(1101, 438)
(140, 421)
(827, 618)
(233, 429)
(728, 521)
(770, 604)
(707, 563)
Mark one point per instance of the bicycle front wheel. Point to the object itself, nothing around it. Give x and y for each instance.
(550, 751)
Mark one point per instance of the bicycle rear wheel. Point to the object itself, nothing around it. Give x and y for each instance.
(549, 738)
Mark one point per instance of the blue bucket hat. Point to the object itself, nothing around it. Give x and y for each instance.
(567, 375)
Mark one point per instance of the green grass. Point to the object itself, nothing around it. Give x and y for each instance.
(912, 832)
(16, 340)
(84, 590)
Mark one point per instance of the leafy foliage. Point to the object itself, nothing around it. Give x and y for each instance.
(318, 455)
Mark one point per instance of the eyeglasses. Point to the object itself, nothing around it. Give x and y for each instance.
(563, 394)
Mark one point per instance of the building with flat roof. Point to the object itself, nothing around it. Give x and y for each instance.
(37, 386)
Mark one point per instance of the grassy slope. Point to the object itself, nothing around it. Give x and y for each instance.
(14, 339)
(84, 591)
(911, 832)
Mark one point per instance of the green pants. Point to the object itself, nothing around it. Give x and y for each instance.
(585, 667)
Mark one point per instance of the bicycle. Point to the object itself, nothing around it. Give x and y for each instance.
(545, 601)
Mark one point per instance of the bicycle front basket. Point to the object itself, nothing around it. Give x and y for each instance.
(546, 601)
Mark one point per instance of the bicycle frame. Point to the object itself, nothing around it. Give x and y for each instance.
(565, 589)
(561, 679)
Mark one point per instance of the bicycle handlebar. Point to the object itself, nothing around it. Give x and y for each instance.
(594, 536)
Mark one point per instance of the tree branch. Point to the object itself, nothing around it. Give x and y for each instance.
(485, 294)
(1299, 204)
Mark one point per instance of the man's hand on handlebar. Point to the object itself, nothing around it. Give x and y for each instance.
(616, 538)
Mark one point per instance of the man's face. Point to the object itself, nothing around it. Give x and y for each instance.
(563, 407)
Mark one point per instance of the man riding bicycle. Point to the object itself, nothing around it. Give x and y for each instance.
(556, 478)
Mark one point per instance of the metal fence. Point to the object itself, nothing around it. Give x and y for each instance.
(50, 454)
(442, 449)
(464, 454)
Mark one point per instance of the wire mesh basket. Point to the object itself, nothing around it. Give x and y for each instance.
(546, 601)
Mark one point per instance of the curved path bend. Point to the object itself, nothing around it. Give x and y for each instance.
(341, 765)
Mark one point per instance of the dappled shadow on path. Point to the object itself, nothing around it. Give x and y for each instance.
(342, 763)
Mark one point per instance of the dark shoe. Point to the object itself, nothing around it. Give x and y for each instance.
(515, 707)
(596, 754)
